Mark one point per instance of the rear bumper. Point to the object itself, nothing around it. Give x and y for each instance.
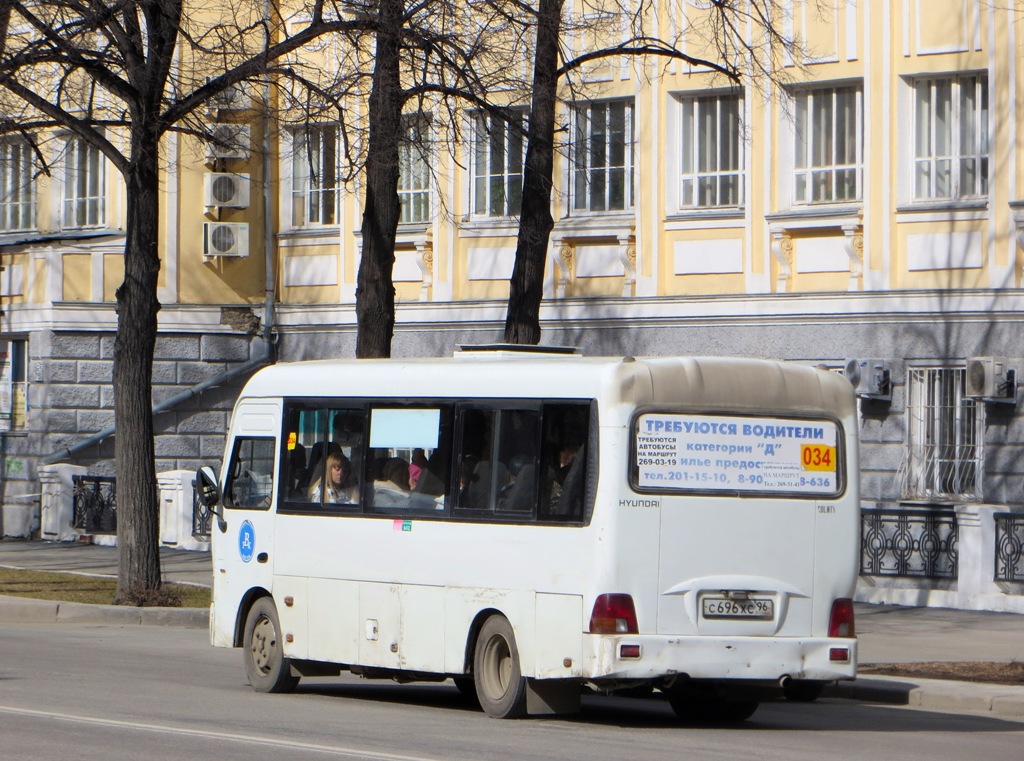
(718, 658)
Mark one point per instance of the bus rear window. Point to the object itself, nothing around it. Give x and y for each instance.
(737, 455)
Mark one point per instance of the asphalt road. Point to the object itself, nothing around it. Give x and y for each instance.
(109, 692)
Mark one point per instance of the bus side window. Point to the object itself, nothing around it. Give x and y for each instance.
(251, 474)
(500, 455)
(408, 459)
(564, 480)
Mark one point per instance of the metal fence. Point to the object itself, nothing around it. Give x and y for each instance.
(1009, 547)
(201, 517)
(909, 542)
(95, 504)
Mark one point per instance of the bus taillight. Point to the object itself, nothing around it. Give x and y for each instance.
(840, 623)
(613, 614)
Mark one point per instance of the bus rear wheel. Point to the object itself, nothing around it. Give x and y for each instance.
(265, 664)
(500, 685)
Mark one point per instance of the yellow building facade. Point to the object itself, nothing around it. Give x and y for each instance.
(863, 212)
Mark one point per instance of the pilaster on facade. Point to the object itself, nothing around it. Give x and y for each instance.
(425, 260)
(562, 259)
(782, 250)
(853, 242)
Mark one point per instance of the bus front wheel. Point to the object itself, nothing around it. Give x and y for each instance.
(500, 685)
(265, 663)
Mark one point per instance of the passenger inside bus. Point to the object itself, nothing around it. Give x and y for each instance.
(342, 487)
(391, 486)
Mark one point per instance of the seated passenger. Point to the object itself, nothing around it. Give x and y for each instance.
(391, 489)
(341, 485)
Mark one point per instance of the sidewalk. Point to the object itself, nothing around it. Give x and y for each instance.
(886, 634)
(179, 566)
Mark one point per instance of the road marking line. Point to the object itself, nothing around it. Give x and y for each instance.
(226, 736)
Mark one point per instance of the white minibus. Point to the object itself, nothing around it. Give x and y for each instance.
(531, 523)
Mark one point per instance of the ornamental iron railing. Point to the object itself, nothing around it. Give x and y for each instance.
(201, 516)
(909, 542)
(95, 504)
(1009, 547)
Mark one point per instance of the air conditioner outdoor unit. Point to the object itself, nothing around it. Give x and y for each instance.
(229, 141)
(226, 190)
(225, 239)
(989, 378)
(232, 98)
(870, 378)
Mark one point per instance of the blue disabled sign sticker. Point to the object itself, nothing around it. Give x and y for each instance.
(246, 541)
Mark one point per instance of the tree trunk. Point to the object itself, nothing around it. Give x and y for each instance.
(137, 306)
(375, 290)
(526, 289)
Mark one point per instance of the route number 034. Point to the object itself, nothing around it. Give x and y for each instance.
(818, 457)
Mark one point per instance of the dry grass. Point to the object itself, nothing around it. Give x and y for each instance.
(67, 587)
(960, 671)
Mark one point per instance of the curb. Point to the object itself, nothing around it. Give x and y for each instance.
(935, 694)
(22, 610)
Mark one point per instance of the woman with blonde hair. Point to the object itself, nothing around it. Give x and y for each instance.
(341, 485)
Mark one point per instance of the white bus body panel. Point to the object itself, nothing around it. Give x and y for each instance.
(404, 594)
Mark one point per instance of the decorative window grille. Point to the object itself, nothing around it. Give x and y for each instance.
(944, 437)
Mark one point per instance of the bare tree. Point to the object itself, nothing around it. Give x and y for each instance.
(427, 52)
(117, 77)
(742, 38)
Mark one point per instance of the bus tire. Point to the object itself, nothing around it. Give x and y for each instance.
(500, 685)
(262, 648)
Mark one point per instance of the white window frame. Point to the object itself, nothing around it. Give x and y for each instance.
(829, 160)
(316, 189)
(945, 436)
(950, 144)
(414, 170)
(711, 164)
(499, 157)
(84, 192)
(594, 182)
(14, 411)
(17, 185)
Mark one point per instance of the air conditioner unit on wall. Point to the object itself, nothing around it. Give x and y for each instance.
(225, 239)
(990, 379)
(229, 141)
(226, 190)
(233, 98)
(870, 378)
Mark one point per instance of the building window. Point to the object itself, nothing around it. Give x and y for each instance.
(315, 176)
(414, 170)
(84, 197)
(17, 190)
(828, 145)
(950, 137)
(944, 437)
(14, 384)
(603, 157)
(499, 151)
(710, 167)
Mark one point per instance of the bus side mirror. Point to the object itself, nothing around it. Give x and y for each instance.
(208, 493)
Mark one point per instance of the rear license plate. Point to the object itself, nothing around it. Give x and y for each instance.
(725, 607)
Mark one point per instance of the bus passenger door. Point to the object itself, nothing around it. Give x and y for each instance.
(243, 551)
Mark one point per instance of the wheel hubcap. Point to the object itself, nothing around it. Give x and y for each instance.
(264, 642)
